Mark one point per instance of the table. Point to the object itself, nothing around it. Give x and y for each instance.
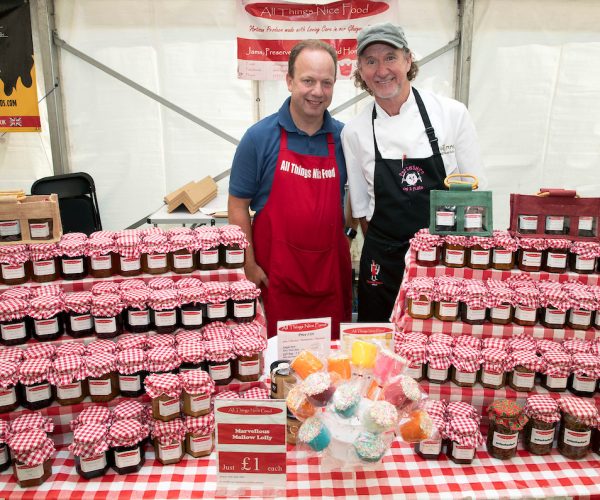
(182, 216)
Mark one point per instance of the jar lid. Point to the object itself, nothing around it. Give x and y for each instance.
(48, 291)
(188, 283)
(131, 361)
(438, 350)
(244, 290)
(169, 432)
(87, 434)
(74, 236)
(157, 239)
(131, 341)
(181, 241)
(67, 369)
(219, 350)
(316, 383)
(11, 309)
(158, 384)
(174, 231)
(418, 337)
(105, 287)
(546, 345)
(160, 340)
(485, 242)
(200, 425)
(447, 288)
(127, 433)
(136, 297)
(424, 240)
(582, 409)
(467, 341)
(504, 408)
(465, 353)
(197, 382)
(585, 249)
(45, 307)
(162, 359)
(217, 331)
(419, 286)
(435, 408)
(440, 338)
(68, 363)
(101, 345)
(413, 351)
(582, 360)
(100, 364)
(464, 431)
(73, 247)
(43, 251)
(559, 358)
(185, 335)
(542, 407)
(151, 230)
(191, 351)
(503, 239)
(207, 237)
(128, 240)
(36, 351)
(17, 292)
(93, 415)
(192, 294)
(457, 240)
(234, 395)
(538, 244)
(11, 354)
(100, 246)
(31, 421)
(102, 234)
(27, 440)
(34, 371)
(494, 356)
(162, 300)
(4, 429)
(161, 284)
(574, 346)
(249, 346)
(133, 284)
(9, 373)
(130, 409)
(78, 302)
(494, 342)
(461, 409)
(216, 292)
(528, 360)
(521, 344)
(473, 289)
(256, 393)
(107, 305)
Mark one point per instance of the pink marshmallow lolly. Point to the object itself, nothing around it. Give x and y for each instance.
(388, 365)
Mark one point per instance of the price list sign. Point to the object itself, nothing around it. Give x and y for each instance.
(251, 442)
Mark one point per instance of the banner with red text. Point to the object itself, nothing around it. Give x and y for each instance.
(267, 31)
(19, 110)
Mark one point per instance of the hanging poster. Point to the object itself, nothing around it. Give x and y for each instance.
(267, 31)
(19, 110)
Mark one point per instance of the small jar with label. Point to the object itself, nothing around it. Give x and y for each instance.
(129, 255)
(106, 310)
(445, 218)
(220, 357)
(585, 372)
(90, 448)
(427, 247)
(466, 362)
(36, 390)
(165, 390)
(15, 267)
(200, 435)
(554, 302)
(162, 359)
(583, 256)
(555, 256)
(446, 307)
(198, 389)
(557, 368)
(507, 420)
(492, 374)
(282, 379)
(45, 264)
(473, 302)
(169, 440)
(583, 304)
(233, 247)
(529, 256)
(217, 297)
(438, 362)
(193, 306)
(182, 248)
(416, 354)
(192, 354)
(103, 382)
(556, 224)
(155, 248)
(479, 254)
(73, 262)
(475, 219)
(94, 414)
(539, 432)
(164, 310)
(41, 229)
(248, 347)
(454, 251)
(78, 319)
(431, 448)
(504, 251)
(9, 377)
(578, 416)
(32, 451)
(419, 294)
(68, 375)
(10, 230)
(528, 224)
(5, 459)
(587, 226)
(131, 368)
(15, 326)
(526, 300)
(500, 302)
(463, 437)
(525, 364)
(102, 257)
(209, 241)
(137, 314)
(47, 315)
(244, 296)
(125, 438)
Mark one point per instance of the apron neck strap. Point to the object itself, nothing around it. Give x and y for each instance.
(330, 142)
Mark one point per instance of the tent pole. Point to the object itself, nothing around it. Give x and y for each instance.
(462, 66)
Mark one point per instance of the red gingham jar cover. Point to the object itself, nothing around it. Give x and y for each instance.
(518, 280)
(95, 414)
(169, 432)
(39, 351)
(161, 284)
(494, 360)
(418, 337)
(183, 242)
(158, 384)
(546, 345)
(585, 249)
(162, 359)
(464, 431)
(249, 345)
(554, 295)
(188, 283)
(528, 360)
(78, 302)
(192, 295)
(102, 234)
(441, 338)
(485, 242)
(17, 292)
(178, 230)
(558, 244)
(130, 409)
(9, 374)
(503, 239)
(583, 410)
(100, 246)
(573, 346)
(438, 356)
(424, 240)
(32, 447)
(151, 230)
(127, 432)
(526, 297)
(454, 239)
(89, 440)
(127, 232)
(43, 251)
(107, 305)
(155, 243)
(582, 297)
(218, 351)
(419, 287)
(521, 343)
(11, 354)
(131, 341)
(14, 254)
(217, 330)
(136, 298)
(191, 351)
(30, 421)
(495, 342)
(594, 348)
(412, 351)
(200, 425)
(461, 409)
(231, 238)
(216, 292)
(435, 408)
(67, 369)
(466, 359)
(244, 290)
(187, 335)
(131, 361)
(47, 291)
(207, 238)
(74, 236)
(197, 382)
(34, 371)
(164, 300)
(256, 393)
(252, 329)
(160, 340)
(105, 287)
(134, 284)
(497, 296)
(128, 246)
(45, 307)
(535, 244)
(73, 247)
(447, 288)
(101, 345)
(4, 430)
(228, 395)
(99, 364)
(542, 407)
(11, 309)
(467, 340)
(586, 364)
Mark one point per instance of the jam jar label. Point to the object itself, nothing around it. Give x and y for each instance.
(170, 451)
(444, 218)
(139, 318)
(555, 223)
(157, 260)
(580, 317)
(14, 331)
(577, 438)
(216, 310)
(475, 314)
(585, 223)
(165, 318)
(583, 264)
(200, 402)
(248, 367)
(531, 259)
(528, 222)
(36, 393)
(130, 264)
(8, 397)
(554, 316)
(129, 458)
(489, 378)
(448, 309)
(101, 262)
(473, 221)
(420, 307)
(558, 260)
(502, 256)
(100, 387)
(168, 407)
(525, 313)
(245, 310)
(434, 374)
(542, 436)
(46, 326)
(29, 472)
(463, 452)
(191, 318)
(220, 372)
(201, 443)
(209, 256)
(69, 391)
(10, 228)
(182, 261)
(10, 272)
(455, 257)
(427, 255)
(523, 379)
(480, 257)
(130, 383)
(431, 447)
(82, 322)
(584, 384)
(415, 370)
(465, 377)
(93, 463)
(556, 382)
(72, 266)
(39, 230)
(234, 256)
(505, 441)
(105, 325)
(500, 312)
(44, 267)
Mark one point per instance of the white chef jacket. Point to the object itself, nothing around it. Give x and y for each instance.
(404, 134)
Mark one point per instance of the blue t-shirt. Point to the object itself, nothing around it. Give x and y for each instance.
(253, 166)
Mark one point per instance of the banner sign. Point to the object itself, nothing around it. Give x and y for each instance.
(19, 110)
(267, 31)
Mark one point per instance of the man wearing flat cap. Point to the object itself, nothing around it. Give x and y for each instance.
(397, 150)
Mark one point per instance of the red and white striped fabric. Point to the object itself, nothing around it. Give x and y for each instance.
(249, 346)
(419, 287)
(89, 440)
(136, 298)
(188, 283)
(174, 231)
(439, 355)
(43, 251)
(155, 243)
(543, 346)
(416, 337)
(160, 340)
(162, 359)
(413, 351)
(542, 407)
(467, 340)
(197, 382)
(495, 343)
(183, 242)
(244, 290)
(32, 447)
(169, 432)
(557, 363)
(133, 284)
(474, 294)
(102, 234)
(521, 343)
(14, 354)
(216, 292)
(228, 395)
(447, 288)
(127, 432)
(424, 240)
(466, 359)
(132, 341)
(233, 235)
(131, 361)
(217, 330)
(158, 384)
(207, 237)
(201, 425)
(494, 360)
(192, 295)
(441, 338)
(17, 292)
(128, 246)
(95, 414)
(73, 247)
(575, 345)
(99, 246)
(219, 350)
(47, 291)
(45, 307)
(503, 239)
(583, 410)
(34, 351)
(484, 242)
(457, 409)
(538, 244)
(14, 254)
(526, 359)
(585, 249)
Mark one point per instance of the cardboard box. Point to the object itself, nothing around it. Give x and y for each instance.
(193, 195)
(17, 206)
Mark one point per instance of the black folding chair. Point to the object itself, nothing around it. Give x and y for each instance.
(77, 200)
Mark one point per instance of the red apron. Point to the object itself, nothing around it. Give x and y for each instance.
(300, 244)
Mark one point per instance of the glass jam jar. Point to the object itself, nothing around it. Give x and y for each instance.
(125, 439)
(244, 295)
(526, 302)
(585, 372)
(44, 262)
(492, 374)
(36, 391)
(551, 316)
(500, 301)
(41, 229)
(164, 308)
(555, 256)
(198, 389)
(136, 316)
(234, 254)
(454, 251)
(169, 441)
(193, 307)
(544, 415)
(219, 354)
(200, 435)
(90, 446)
(73, 264)
(32, 452)
(525, 364)
(504, 251)
(68, 376)
(463, 437)
(415, 354)
(162, 359)
(209, 241)
(433, 447)
(131, 368)
(578, 416)
(10, 230)
(557, 367)
(15, 327)
(154, 248)
(465, 365)
(103, 381)
(582, 258)
(557, 224)
(15, 267)
(438, 362)
(217, 297)
(528, 224)
(428, 248)
(106, 310)
(5, 459)
(165, 390)
(9, 377)
(473, 303)
(129, 255)
(419, 294)
(529, 256)
(191, 352)
(479, 255)
(47, 314)
(506, 419)
(579, 318)
(102, 257)
(445, 218)
(78, 319)
(181, 254)
(248, 348)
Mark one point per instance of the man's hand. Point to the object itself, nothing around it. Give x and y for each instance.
(256, 274)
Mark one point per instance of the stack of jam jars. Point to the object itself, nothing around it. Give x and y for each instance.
(419, 293)
(15, 326)
(217, 297)
(446, 295)
(154, 251)
(78, 320)
(101, 256)
(578, 417)
(428, 248)
(233, 247)
(106, 310)
(544, 415)
(197, 390)
(507, 420)
(73, 249)
(68, 375)
(129, 250)
(165, 390)
(32, 451)
(14, 264)
(169, 440)
(248, 347)
(200, 435)
(208, 241)
(164, 306)
(47, 314)
(243, 297)
(193, 306)
(182, 248)
(125, 438)
(479, 252)
(438, 362)
(473, 302)
(90, 447)
(583, 255)
(500, 302)
(45, 264)
(504, 251)
(131, 368)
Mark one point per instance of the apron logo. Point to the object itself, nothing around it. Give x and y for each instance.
(412, 178)
(446, 149)
(375, 268)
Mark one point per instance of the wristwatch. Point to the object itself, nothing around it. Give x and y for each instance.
(351, 233)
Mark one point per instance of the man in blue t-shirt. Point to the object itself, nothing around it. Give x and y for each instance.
(289, 168)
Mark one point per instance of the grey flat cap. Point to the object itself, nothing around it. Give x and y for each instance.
(381, 33)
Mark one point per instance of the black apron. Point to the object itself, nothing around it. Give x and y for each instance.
(401, 189)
